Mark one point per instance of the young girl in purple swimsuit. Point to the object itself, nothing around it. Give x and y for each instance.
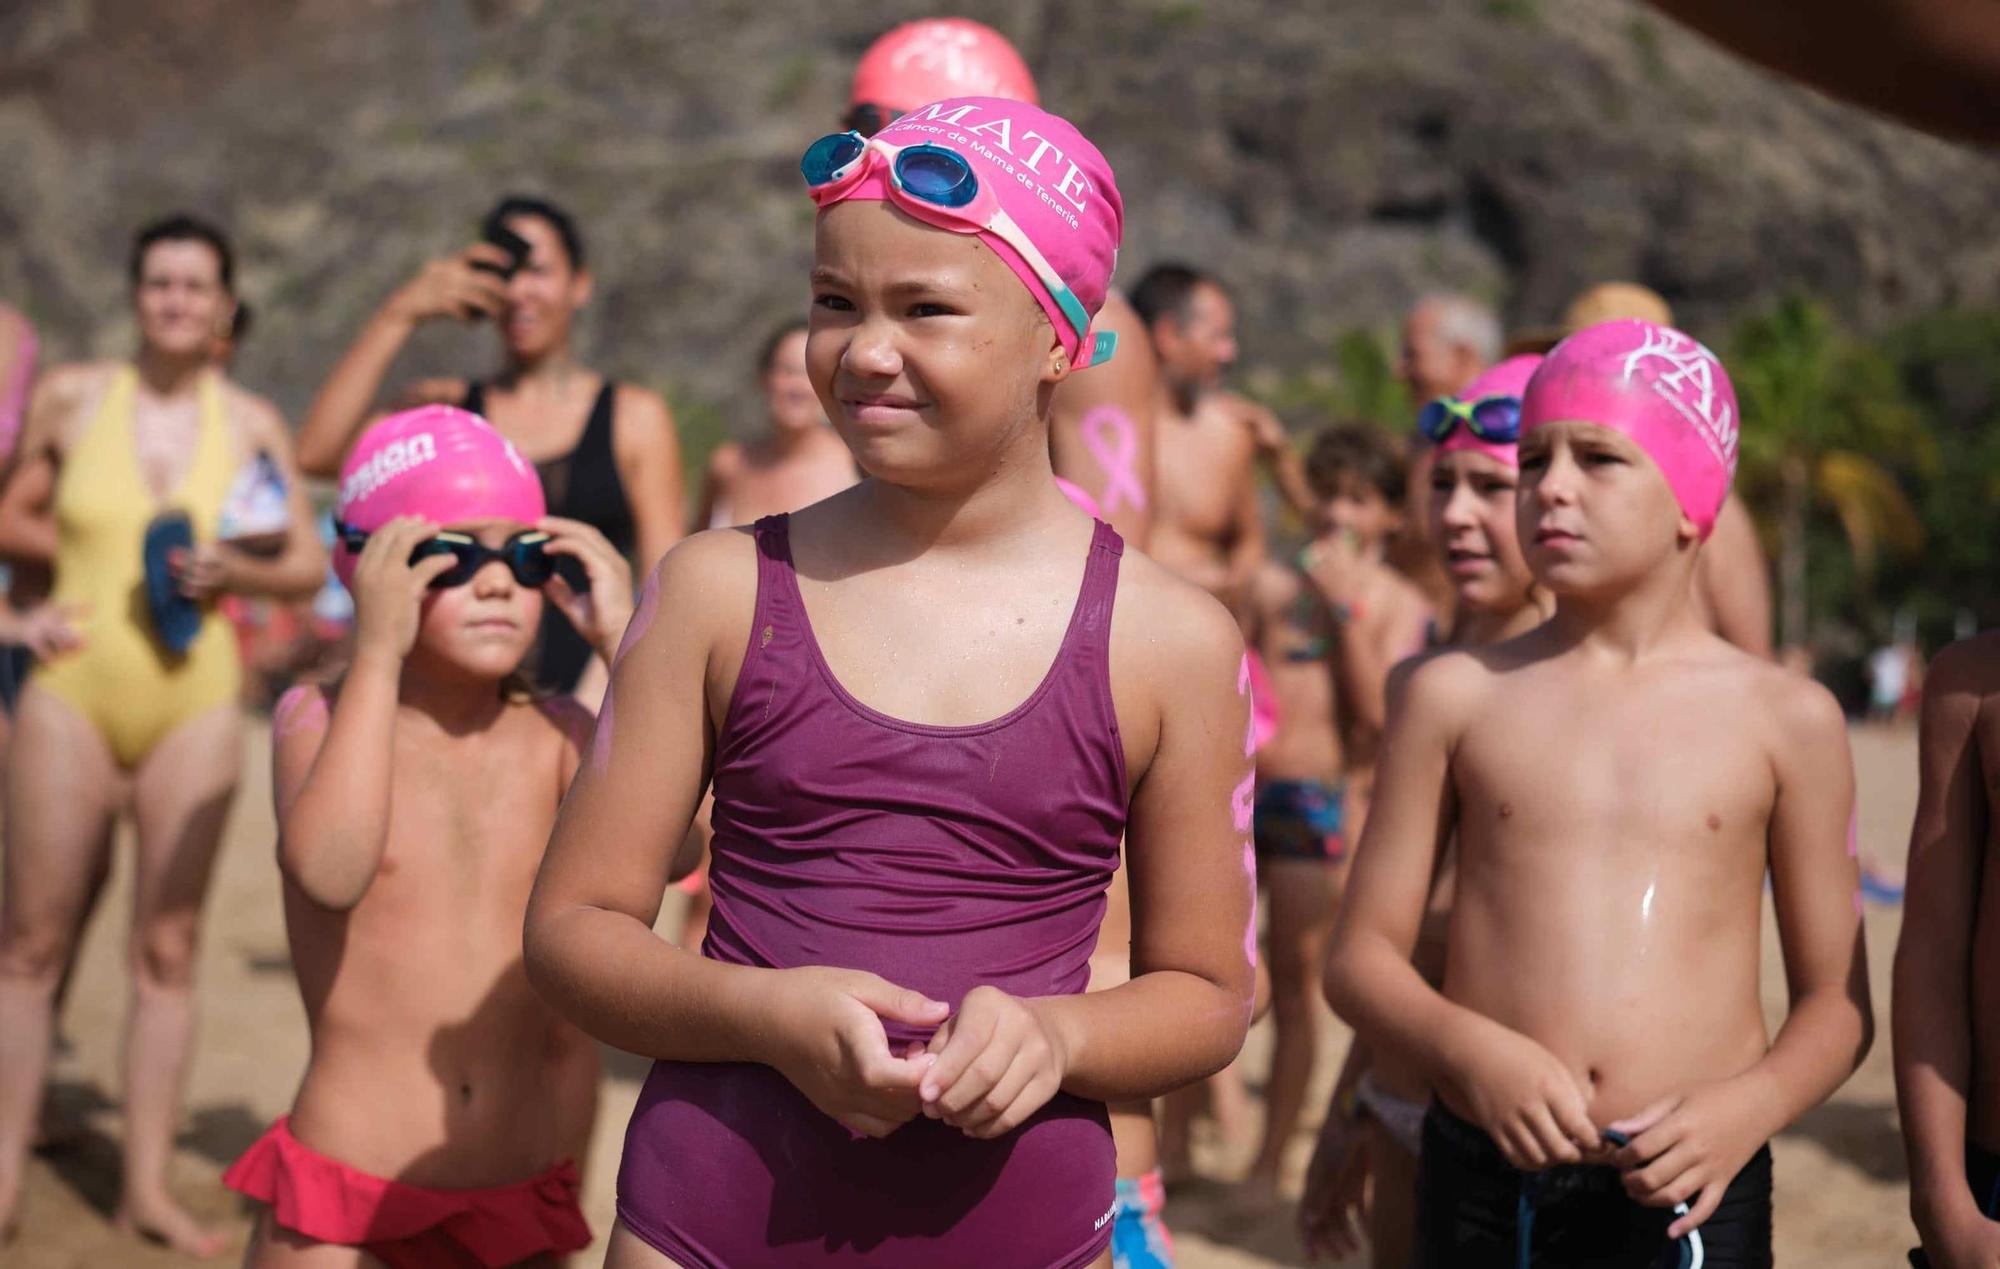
(930, 707)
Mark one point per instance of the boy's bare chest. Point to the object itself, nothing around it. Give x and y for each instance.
(1656, 767)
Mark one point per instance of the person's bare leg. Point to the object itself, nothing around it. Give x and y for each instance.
(1301, 895)
(275, 1248)
(1392, 1208)
(1230, 1104)
(61, 791)
(54, 1132)
(1176, 1137)
(181, 800)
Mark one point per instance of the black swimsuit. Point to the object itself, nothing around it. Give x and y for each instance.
(580, 485)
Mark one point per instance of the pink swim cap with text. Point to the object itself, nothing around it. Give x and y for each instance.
(441, 463)
(1049, 179)
(1659, 387)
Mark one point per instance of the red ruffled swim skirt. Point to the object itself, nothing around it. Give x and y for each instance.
(409, 1226)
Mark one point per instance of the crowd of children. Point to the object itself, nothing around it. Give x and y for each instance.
(982, 801)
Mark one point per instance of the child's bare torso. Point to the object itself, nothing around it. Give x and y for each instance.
(1612, 828)
(1294, 637)
(433, 1060)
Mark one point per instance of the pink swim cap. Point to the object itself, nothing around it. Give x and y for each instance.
(1048, 178)
(1657, 386)
(934, 58)
(441, 463)
(1508, 379)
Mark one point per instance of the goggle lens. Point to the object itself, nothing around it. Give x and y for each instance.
(824, 158)
(936, 175)
(1495, 420)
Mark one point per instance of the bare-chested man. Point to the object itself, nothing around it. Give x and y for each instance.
(1206, 525)
(1947, 1003)
(1619, 781)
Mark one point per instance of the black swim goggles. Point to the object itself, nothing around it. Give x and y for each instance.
(1495, 420)
(525, 554)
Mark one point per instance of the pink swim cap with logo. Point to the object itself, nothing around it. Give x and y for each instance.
(934, 58)
(441, 463)
(1049, 179)
(1656, 385)
(1508, 379)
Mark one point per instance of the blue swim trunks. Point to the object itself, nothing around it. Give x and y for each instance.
(1301, 819)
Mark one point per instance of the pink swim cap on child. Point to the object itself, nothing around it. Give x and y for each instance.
(438, 462)
(933, 58)
(1656, 385)
(1508, 379)
(1048, 178)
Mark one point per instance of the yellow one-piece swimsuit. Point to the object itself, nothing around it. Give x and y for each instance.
(123, 679)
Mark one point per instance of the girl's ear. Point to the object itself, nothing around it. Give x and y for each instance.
(1055, 366)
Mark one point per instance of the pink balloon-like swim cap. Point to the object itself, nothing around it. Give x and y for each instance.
(1049, 179)
(1656, 385)
(933, 58)
(438, 462)
(1508, 379)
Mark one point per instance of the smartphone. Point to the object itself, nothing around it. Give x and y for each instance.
(513, 244)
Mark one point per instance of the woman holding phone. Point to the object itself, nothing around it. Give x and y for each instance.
(607, 452)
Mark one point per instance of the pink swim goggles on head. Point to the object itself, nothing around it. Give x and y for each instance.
(938, 186)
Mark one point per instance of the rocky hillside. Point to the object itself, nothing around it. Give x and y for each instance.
(1332, 161)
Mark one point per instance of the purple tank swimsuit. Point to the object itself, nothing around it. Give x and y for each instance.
(941, 858)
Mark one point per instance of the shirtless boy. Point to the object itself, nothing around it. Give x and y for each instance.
(1947, 1012)
(1619, 781)
(443, 1102)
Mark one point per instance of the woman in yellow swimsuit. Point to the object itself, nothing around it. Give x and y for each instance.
(122, 717)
